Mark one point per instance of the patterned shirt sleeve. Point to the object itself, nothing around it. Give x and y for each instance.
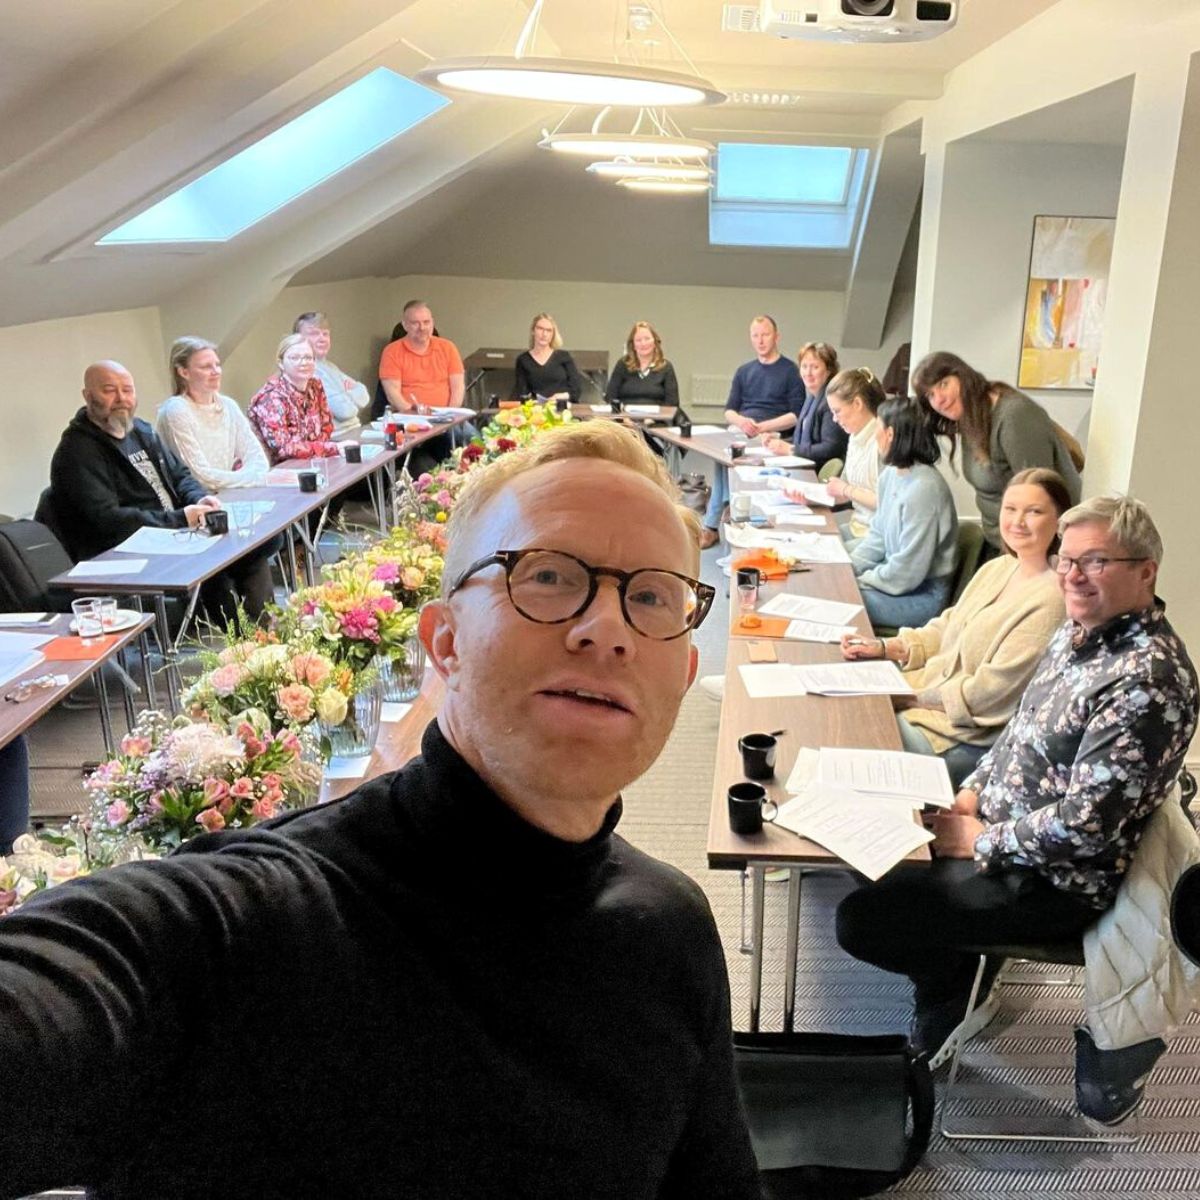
(1126, 763)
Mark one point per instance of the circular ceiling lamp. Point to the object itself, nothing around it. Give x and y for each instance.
(672, 187)
(572, 81)
(627, 145)
(623, 81)
(681, 172)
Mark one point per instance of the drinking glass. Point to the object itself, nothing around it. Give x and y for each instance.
(87, 620)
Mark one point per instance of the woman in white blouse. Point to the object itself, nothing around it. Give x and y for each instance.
(854, 397)
(208, 431)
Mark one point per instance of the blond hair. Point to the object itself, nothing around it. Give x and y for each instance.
(286, 343)
(1127, 519)
(181, 354)
(556, 340)
(603, 440)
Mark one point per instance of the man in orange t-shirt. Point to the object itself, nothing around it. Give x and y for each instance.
(421, 369)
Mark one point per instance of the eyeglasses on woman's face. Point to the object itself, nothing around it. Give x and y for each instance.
(550, 587)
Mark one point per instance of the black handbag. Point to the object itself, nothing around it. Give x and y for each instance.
(832, 1115)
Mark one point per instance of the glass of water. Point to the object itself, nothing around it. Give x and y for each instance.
(87, 620)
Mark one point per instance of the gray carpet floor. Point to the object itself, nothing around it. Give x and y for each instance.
(1020, 1071)
(1020, 1068)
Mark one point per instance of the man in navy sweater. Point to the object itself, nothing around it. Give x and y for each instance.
(316, 1007)
(765, 396)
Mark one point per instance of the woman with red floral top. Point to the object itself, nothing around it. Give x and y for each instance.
(289, 412)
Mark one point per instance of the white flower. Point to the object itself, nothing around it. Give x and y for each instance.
(265, 659)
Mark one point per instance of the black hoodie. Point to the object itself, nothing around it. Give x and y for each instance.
(101, 497)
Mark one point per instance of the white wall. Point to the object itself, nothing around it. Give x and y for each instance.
(991, 191)
(704, 329)
(45, 362)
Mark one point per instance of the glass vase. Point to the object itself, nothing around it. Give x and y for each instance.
(402, 675)
(357, 734)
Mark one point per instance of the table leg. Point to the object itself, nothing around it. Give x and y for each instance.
(126, 694)
(795, 882)
(147, 674)
(106, 730)
(290, 535)
(757, 895)
(164, 637)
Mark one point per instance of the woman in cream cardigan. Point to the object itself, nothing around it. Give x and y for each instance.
(970, 665)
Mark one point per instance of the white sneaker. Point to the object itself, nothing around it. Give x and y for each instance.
(713, 686)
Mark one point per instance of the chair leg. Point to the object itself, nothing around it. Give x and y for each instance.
(1093, 1136)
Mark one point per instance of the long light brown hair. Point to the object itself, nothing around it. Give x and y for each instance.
(631, 359)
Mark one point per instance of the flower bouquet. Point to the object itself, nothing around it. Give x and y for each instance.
(173, 780)
(267, 680)
(520, 425)
(35, 863)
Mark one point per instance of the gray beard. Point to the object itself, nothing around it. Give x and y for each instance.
(119, 424)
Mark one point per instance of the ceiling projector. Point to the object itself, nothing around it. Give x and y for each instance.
(857, 20)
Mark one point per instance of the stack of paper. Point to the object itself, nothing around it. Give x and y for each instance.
(855, 679)
(771, 681)
(109, 566)
(917, 779)
(869, 838)
(811, 608)
(152, 540)
(814, 493)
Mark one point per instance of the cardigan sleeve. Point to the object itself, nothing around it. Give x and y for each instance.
(612, 390)
(521, 384)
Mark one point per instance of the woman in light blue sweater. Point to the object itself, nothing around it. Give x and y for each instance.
(905, 564)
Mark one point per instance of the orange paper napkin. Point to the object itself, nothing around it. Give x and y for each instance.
(63, 648)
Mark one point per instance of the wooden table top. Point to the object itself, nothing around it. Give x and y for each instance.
(710, 445)
(812, 721)
(17, 716)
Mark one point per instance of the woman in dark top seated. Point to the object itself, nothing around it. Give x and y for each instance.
(546, 369)
(643, 376)
(817, 435)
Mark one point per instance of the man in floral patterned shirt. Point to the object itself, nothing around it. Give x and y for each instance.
(1042, 833)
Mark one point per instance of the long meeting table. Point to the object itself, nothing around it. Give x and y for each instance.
(807, 721)
(184, 574)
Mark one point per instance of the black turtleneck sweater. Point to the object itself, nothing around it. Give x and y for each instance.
(409, 993)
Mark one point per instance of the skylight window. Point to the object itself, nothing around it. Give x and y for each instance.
(285, 164)
(798, 197)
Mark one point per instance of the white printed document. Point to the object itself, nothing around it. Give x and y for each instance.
(919, 778)
(705, 429)
(815, 631)
(23, 643)
(108, 566)
(770, 681)
(755, 474)
(824, 548)
(789, 460)
(152, 540)
(14, 665)
(643, 410)
(814, 493)
(855, 679)
(798, 518)
(871, 839)
(810, 608)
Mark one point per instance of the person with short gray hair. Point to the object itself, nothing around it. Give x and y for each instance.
(1045, 829)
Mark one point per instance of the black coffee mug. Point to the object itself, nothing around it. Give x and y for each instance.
(615, 405)
(758, 755)
(389, 439)
(737, 449)
(562, 405)
(353, 452)
(750, 576)
(684, 427)
(308, 481)
(217, 522)
(746, 803)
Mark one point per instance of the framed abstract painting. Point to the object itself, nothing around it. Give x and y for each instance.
(1065, 300)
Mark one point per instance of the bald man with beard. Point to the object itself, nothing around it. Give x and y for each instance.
(111, 475)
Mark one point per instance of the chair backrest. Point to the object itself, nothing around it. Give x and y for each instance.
(47, 513)
(30, 555)
(970, 547)
(830, 469)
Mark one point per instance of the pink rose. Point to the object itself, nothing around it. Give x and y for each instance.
(135, 744)
(289, 741)
(296, 701)
(227, 679)
(385, 604)
(263, 809)
(211, 820)
(312, 669)
(242, 788)
(271, 780)
(360, 623)
(117, 813)
(215, 790)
